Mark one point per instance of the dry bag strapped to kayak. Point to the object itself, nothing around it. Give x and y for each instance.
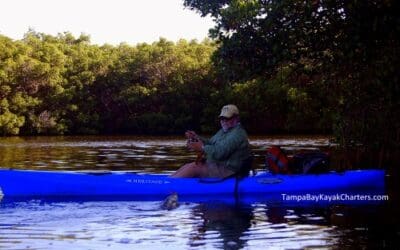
(276, 160)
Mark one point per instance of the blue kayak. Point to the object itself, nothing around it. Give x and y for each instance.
(24, 184)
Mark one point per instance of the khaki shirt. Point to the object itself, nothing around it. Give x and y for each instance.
(230, 148)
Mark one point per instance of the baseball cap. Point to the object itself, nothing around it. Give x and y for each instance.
(228, 111)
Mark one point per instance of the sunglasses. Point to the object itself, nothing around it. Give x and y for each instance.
(224, 119)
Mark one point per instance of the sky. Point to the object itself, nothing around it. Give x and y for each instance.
(105, 21)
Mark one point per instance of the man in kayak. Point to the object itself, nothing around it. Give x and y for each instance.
(226, 153)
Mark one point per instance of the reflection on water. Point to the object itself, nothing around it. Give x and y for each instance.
(37, 224)
(147, 154)
(122, 225)
(93, 153)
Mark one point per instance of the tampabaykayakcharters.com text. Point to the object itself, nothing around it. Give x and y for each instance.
(334, 197)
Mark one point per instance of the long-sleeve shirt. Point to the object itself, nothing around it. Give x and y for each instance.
(230, 148)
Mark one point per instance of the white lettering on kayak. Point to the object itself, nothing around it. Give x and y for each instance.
(144, 181)
(1, 193)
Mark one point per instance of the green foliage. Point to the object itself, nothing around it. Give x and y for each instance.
(343, 58)
(10, 123)
(62, 84)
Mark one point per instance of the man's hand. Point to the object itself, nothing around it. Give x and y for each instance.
(191, 135)
(195, 145)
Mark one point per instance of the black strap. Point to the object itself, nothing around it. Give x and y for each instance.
(236, 191)
(277, 157)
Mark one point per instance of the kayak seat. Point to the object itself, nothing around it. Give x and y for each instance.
(243, 172)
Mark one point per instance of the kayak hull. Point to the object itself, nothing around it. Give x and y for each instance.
(30, 183)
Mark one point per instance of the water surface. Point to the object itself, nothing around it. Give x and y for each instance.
(143, 154)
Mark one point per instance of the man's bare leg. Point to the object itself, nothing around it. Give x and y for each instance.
(191, 170)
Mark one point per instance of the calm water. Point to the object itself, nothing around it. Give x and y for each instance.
(37, 224)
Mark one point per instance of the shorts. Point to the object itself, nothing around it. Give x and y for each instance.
(218, 170)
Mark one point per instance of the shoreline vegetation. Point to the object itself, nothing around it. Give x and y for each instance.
(308, 67)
